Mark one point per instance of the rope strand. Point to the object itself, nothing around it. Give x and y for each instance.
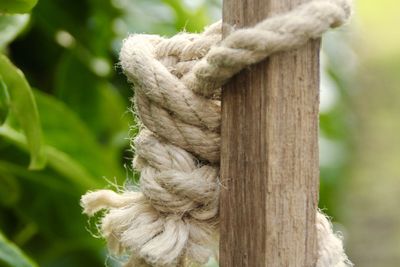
(173, 220)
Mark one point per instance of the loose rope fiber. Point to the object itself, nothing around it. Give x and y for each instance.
(173, 220)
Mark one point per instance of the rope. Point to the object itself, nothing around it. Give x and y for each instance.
(173, 220)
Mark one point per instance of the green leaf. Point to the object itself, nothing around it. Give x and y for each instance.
(12, 255)
(4, 101)
(96, 101)
(58, 160)
(16, 6)
(23, 106)
(45, 179)
(72, 149)
(74, 138)
(10, 27)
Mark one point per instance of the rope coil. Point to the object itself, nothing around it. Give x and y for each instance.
(173, 220)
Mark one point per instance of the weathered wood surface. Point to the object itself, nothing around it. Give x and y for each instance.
(269, 154)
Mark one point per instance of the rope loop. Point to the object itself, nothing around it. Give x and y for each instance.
(173, 220)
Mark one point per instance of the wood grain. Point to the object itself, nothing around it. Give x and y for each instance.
(269, 153)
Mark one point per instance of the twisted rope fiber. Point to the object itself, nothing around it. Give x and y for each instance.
(173, 220)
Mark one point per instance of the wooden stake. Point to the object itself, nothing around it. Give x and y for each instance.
(269, 154)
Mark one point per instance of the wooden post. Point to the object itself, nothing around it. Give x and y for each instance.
(269, 154)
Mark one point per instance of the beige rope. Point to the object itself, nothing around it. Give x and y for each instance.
(173, 220)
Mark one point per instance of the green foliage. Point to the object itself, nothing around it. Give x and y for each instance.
(4, 101)
(10, 27)
(23, 107)
(12, 255)
(16, 6)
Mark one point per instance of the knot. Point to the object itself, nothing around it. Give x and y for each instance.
(181, 192)
(173, 220)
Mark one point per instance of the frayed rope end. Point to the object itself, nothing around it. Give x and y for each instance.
(93, 202)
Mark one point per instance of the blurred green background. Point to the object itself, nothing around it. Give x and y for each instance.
(65, 123)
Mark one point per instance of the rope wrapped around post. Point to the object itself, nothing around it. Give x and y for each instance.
(173, 220)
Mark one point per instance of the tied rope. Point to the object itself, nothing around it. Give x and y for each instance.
(173, 220)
